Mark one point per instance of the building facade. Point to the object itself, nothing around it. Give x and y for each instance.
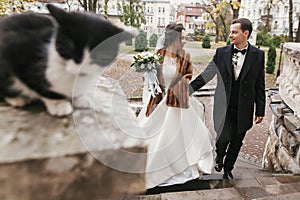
(158, 14)
(192, 17)
(257, 12)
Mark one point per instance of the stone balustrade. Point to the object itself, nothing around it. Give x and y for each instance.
(96, 153)
(282, 152)
(289, 81)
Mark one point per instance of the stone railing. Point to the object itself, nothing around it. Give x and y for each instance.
(282, 152)
(289, 81)
(97, 153)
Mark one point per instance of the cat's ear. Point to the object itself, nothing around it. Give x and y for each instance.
(128, 32)
(59, 14)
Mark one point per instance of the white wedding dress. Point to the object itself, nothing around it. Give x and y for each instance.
(179, 144)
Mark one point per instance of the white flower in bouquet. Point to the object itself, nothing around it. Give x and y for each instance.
(146, 61)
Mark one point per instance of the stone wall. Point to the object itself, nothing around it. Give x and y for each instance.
(282, 151)
(97, 153)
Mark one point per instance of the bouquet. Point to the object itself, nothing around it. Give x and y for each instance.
(148, 62)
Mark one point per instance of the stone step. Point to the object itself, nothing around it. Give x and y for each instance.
(263, 190)
(269, 191)
(293, 196)
(220, 194)
(263, 185)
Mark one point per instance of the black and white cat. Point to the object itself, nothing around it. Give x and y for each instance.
(40, 55)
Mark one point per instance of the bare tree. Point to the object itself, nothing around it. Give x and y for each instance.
(298, 31)
(290, 20)
(69, 3)
(89, 5)
(219, 12)
(132, 13)
(209, 10)
(105, 7)
(235, 6)
(268, 17)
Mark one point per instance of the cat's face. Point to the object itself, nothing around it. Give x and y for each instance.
(79, 32)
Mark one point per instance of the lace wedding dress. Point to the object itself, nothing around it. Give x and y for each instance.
(179, 144)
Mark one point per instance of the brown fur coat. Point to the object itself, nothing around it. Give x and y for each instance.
(178, 91)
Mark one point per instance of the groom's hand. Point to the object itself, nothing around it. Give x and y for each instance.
(191, 90)
(258, 119)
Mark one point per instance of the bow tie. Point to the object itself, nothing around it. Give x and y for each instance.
(241, 51)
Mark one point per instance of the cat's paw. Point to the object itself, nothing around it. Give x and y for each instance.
(61, 107)
(83, 102)
(17, 102)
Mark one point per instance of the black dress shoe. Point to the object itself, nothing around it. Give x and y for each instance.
(219, 163)
(227, 175)
(218, 167)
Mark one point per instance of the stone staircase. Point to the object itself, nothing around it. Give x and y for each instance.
(250, 183)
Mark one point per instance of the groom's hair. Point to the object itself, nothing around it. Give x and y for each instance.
(245, 24)
(173, 31)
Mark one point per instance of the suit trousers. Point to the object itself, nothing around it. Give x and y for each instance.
(229, 142)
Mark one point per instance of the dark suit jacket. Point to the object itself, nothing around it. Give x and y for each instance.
(251, 91)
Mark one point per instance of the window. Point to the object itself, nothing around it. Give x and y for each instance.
(159, 21)
(151, 19)
(163, 21)
(163, 9)
(158, 9)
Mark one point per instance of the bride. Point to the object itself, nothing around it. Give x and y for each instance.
(179, 144)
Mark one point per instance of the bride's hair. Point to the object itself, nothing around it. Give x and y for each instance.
(172, 32)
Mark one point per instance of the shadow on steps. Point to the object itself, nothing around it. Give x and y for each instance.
(192, 185)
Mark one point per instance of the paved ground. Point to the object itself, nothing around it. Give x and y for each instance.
(255, 140)
(131, 83)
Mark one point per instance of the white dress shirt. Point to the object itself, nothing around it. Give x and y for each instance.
(238, 61)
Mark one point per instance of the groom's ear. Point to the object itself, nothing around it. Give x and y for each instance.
(246, 33)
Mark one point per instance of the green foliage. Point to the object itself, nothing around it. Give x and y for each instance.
(271, 60)
(128, 42)
(265, 39)
(206, 42)
(141, 42)
(228, 42)
(277, 40)
(153, 40)
(197, 35)
(132, 13)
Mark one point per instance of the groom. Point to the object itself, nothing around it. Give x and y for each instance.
(240, 91)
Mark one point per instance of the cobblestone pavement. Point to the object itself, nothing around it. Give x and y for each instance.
(131, 83)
